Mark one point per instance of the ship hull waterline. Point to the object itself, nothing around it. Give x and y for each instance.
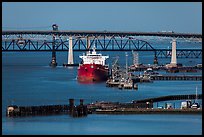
(92, 73)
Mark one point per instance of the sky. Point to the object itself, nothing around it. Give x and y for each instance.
(179, 17)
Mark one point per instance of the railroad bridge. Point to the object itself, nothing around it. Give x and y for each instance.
(84, 40)
(55, 40)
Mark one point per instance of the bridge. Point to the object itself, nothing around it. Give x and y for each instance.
(111, 45)
(105, 33)
(31, 41)
(55, 40)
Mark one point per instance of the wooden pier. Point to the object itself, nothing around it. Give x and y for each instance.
(71, 109)
(144, 106)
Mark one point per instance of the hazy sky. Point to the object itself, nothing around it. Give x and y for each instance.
(110, 16)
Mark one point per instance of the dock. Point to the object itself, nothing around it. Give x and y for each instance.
(170, 77)
(122, 85)
(144, 106)
(150, 111)
(71, 109)
(170, 97)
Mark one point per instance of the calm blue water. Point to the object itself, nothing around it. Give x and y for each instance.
(28, 80)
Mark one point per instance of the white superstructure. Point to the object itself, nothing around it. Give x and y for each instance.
(94, 58)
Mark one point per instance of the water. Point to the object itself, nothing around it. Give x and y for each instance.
(97, 124)
(28, 80)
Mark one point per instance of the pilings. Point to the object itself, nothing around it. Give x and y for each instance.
(14, 110)
(78, 111)
(71, 109)
(166, 77)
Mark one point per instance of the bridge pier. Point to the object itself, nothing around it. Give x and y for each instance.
(173, 63)
(88, 42)
(70, 54)
(54, 62)
(70, 58)
(155, 58)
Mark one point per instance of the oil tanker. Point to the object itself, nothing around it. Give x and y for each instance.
(93, 67)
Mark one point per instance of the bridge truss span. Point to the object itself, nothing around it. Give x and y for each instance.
(22, 41)
(79, 44)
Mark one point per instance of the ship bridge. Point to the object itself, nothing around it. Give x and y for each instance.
(94, 58)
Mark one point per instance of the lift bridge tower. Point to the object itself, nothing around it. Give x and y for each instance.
(53, 63)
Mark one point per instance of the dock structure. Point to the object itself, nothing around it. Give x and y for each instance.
(170, 97)
(71, 109)
(120, 78)
(179, 68)
(14, 110)
(150, 111)
(145, 106)
(170, 77)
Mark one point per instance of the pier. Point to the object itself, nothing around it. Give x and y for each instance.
(144, 106)
(71, 109)
(150, 111)
(170, 97)
(183, 77)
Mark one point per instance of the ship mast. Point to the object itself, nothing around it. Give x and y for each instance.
(196, 94)
(126, 62)
(126, 65)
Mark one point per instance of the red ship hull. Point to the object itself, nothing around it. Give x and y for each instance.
(92, 72)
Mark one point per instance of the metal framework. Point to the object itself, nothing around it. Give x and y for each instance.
(106, 41)
(105, 33)
(182, 53)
